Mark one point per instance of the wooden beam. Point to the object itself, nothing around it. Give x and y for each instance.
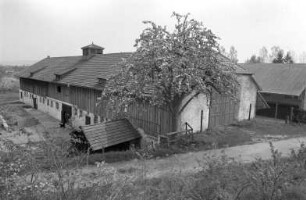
(276, 110)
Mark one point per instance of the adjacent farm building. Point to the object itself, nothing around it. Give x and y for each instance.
(70, 88)
(283, 87)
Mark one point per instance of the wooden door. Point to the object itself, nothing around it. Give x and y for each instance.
(222, 111)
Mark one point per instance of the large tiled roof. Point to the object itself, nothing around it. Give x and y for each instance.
(76, 70)
(84, 71)
(109, 133)
(288, 79)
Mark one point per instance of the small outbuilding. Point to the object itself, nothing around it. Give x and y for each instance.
(111, 133)
(283, 87)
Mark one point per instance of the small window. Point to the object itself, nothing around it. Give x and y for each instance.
(57, 105)
(43, 100)
(59, 89)
(96, 119)
(87, 120)
(51, 104)
(47, 102)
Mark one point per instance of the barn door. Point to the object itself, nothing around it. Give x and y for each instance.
(222, 110)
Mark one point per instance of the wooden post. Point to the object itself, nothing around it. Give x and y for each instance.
(201, 129)
(276, 109)
(291, 114)
(250, 111)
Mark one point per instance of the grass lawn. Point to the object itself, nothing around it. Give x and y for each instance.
(8, 96)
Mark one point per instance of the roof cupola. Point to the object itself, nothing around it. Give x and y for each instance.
(92, 49)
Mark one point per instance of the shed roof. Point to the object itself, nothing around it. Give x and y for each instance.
(109, 133)
(287, 79)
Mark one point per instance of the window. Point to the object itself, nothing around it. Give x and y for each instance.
(47, 102)
(57, 77)
(51, 104)
(81, 113)
(75, 111)
(96, 119)
(59, 89)
(57, 105)
(43, 100)
(87, 120)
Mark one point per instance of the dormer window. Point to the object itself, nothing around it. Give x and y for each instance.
(57, 77)
(101, 81)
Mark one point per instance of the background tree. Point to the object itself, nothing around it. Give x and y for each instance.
(233, 56)
(281, 58)
(263, 55)
(254, 59)
(302, 57)
(274, 52)
(169, 65)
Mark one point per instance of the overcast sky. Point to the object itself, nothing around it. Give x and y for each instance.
(33, 29)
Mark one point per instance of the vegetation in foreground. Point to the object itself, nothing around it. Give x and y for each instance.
(221, 178)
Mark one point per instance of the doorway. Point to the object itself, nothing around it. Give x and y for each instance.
(35, 102)
(66, 113)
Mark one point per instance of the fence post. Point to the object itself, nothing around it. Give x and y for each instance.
(250, 112)
(201, 129)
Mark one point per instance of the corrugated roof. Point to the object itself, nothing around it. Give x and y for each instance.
(109, 133)
(82, 72)
(288, 79)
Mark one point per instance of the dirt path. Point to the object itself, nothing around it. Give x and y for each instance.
(195, 161)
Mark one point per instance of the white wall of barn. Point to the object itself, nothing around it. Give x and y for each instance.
(78, 117)
(247, 97)
(192, 112)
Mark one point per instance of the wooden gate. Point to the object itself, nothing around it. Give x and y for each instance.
(223, 110)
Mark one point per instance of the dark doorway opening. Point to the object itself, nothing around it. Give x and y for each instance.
(87, 120)
(35, 102)
(65, 114)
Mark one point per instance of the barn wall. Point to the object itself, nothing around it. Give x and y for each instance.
(192, 112)
(53, 107)
(248, 94)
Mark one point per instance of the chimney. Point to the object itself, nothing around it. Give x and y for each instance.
(92, 49)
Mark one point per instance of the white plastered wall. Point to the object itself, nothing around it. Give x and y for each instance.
(78, 116)
(248, 94)
(192, 112)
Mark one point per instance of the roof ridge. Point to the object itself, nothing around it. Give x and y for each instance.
(64, 57)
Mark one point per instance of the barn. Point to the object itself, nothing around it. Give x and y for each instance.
(283, 87)
(70, 89)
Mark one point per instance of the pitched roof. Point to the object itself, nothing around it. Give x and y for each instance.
(85, 71)
(76, 70)
(288, 79)
(92, 46)
(109, 133)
